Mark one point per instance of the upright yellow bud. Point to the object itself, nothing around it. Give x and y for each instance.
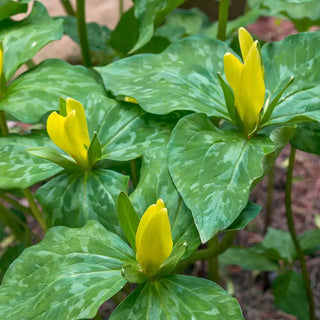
(70, 133)
(153, 238)
(246, 80)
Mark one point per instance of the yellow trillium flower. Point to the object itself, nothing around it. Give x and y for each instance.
(246, 80)
(153, 238)
(70, 133)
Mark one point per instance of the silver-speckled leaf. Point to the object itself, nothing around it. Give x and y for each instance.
(37, 91)
(178, 297)
(299, 56)
(23, 39)
(155, 183)
(19, 169)
(184, 77)
(66, 276)
(73, 199)
(124, 130)
(214, 170)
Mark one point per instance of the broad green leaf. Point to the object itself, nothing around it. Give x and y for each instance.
(128, 26)
(155, 183)
(248, 259)
(18, 168)
(281, 243)
(37, 91)
(184, 77)
(9, 255)
(68, 275)
(178, 297)
(296, 56)
(124, 130)
(73, 199)
(149, 13)
(126, 34)
(181, 22)
(307, 137)
(215, 170)
(310, 241)
(23, 39)
(9, 8)
(290, 294)
(128, 218)
(249, 213)
(98, 35)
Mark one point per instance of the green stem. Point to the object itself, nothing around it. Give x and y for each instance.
(223, 19)
(290, 222)
(3, 124)
(16, 204)
(213, 262)
(34, 208)
(133, 167)
(68, 7)
(269, 202)
(205, 254)
(121, 7)
(82, 33)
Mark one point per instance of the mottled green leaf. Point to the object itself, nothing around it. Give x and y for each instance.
(248, 259)
(249, 213)
(18, 168)
(296, 56)
(178, 297)
(124, 130)
(290, 294)
(184, 77)
(155, 183)
(280, 242)
(23, 39)
(9, 8)
(215, 170)
(310, 241)
(73, 199)
(149, 12)
(307, 137)
(37, 91)
(66, 276)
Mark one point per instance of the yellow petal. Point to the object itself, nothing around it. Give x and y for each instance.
(56, 131)
(245, 41)
(72, 130)
(80, 123)
(153, 238)
(251, 97)
(70, 133)
(129, 99)
(232, 70)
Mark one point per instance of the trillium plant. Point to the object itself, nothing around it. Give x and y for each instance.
(119, 175)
